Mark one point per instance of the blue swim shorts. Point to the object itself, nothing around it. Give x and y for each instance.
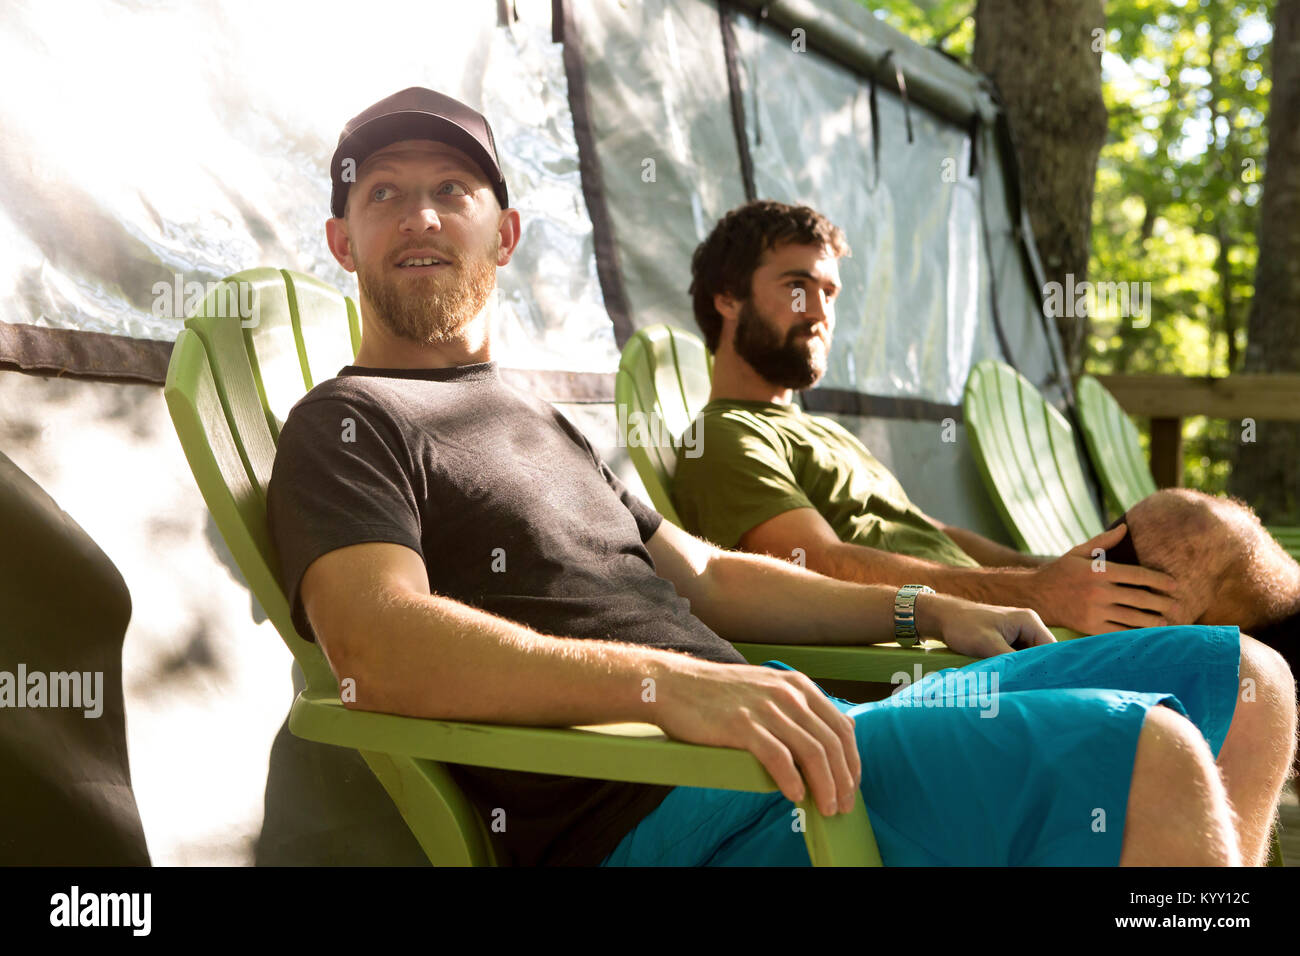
(1023, 759)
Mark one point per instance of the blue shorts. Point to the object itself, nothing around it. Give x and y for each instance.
(1023, 759)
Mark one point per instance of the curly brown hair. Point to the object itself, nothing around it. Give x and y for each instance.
(724, 263)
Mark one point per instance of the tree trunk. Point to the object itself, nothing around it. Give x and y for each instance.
(1223, 265)
(1046, 61)
(1267, 471)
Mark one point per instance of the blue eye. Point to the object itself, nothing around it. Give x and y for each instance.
(377, 190)
(458, 189)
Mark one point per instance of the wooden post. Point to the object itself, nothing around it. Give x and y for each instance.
(1167, 452)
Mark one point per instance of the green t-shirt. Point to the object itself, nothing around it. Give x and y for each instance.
(757, 460)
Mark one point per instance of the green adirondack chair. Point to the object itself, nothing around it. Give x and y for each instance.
(228, 389)
(663, 372)
(666, 373)
(1116, 451)
(1024, 449)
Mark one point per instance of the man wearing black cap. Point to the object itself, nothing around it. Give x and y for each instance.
(448, 260)
(460, 551)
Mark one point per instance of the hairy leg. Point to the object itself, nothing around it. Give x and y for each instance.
(1229, 569)
(1178, 810)
(1257, 754)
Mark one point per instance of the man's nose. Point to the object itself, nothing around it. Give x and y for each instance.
(421, 217)
(819, 308)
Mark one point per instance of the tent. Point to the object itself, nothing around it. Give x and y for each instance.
(166, 147)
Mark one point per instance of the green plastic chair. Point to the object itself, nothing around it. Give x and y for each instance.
(664, 372)
(1024, 449)
(228, 389)
(1113, 444)
(667, 373)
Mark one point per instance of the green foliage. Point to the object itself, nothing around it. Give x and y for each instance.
(1186, 84)
(1187, 91)
(947, 24)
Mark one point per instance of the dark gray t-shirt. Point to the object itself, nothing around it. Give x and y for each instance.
(513, 512)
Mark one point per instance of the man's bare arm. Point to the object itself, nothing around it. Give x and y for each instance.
(804, 532)
(986, 551)
(416, 653)
(422, 655)
(756, 598)
(1069, 591)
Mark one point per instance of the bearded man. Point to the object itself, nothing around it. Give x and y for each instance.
(460, 552)
(769, 478)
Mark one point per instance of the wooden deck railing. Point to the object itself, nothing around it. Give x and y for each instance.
(1168, 399)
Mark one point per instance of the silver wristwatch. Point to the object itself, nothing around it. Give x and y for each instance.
(905, 613)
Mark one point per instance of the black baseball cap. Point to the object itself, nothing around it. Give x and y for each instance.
(415, 113)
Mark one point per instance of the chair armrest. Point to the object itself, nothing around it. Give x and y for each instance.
(635, 753)
(863, 662)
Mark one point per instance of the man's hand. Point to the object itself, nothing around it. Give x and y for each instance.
(779, 716)
(1069, 592)
(978, 630)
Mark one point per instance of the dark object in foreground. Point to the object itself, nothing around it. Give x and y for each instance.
(67, 798)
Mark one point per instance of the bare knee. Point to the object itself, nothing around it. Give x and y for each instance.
(1176, 528)
(1266, 698)
(1228, 568)
(1173, 504)
(1175, 741)
(1178, 810)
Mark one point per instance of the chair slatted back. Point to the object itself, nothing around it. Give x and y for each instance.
(663, 381)
(233, 378)
(1114, 445)
(232, 466)
(1026, 455)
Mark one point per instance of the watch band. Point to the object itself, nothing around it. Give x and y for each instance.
(905, 613)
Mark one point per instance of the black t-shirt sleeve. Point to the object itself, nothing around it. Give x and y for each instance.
(647, 519)
(342, 476)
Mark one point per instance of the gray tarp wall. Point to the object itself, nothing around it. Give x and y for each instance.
(932, 234)
(193, 139)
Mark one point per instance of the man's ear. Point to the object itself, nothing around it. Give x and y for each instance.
(336, 235)
(509, 229)
(727, 306)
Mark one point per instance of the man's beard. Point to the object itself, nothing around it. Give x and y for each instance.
(433, 309)
(787, 363)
